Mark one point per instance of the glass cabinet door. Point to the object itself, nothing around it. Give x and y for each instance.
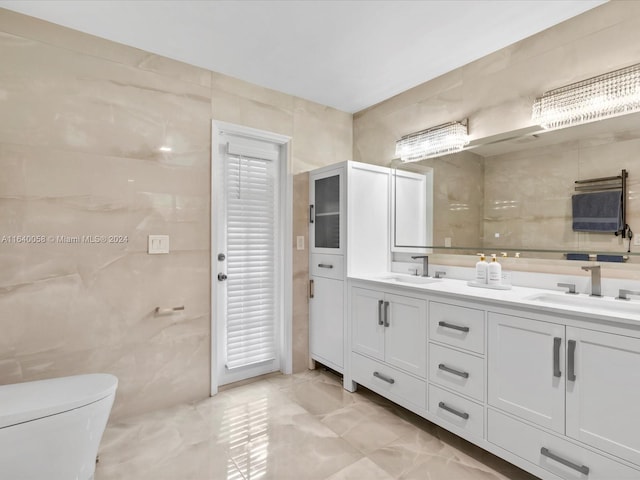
(327, 212)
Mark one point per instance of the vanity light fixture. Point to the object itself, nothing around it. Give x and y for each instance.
(604, 96)
(432, 142)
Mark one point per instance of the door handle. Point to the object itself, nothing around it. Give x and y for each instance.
(580, 468)
(311, 218)
(222, 277)
(380, 303)
(386, 314)
(384, 377)
(460, 414)
(557, 341)
(571, 360)
(459, 373)
(452, 326)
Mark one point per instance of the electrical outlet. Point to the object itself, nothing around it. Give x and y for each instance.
(636, 240)
(300, 242)
(447, 241)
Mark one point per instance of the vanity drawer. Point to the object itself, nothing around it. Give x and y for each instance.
(458, 326)
(560, 457)
(457, 411)
(329, 266)
(388, 381)
(457, 371)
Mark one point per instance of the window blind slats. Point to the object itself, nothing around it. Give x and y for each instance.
(252, 255)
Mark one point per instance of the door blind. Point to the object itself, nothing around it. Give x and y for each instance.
(252, 286)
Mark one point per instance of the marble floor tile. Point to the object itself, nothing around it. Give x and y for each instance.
(360, 470)
(297, 427)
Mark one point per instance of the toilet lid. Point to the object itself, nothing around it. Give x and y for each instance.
(23, 402)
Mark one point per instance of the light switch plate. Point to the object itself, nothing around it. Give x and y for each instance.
(158, 244)
(300, 242)
(447, 241)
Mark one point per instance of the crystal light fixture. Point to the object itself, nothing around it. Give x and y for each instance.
(607, 95)
(432, 142)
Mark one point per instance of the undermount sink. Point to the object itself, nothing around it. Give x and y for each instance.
(599, 304)
(411, 279)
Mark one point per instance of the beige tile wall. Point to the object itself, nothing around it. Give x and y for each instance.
(496, 94)
(81, 121)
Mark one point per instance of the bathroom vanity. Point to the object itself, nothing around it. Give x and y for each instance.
(547, 381)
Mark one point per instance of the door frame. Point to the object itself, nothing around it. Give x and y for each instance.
(286, 232)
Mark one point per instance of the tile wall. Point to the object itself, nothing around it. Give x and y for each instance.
(81, 123)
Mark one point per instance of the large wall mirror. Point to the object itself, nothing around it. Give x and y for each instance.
(513, 192)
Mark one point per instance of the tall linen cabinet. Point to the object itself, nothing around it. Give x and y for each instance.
(349, 209)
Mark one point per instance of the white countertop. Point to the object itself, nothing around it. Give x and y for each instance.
(546, 301)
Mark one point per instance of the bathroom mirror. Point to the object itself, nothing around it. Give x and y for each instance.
(512, 192)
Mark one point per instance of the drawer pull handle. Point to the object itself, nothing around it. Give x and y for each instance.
(580, 468)
(386, 314)
(454, 327)
(380, 303)
(571, 361)
(384, 378)
(325, 265)
(556, 356)
(446, 407)
(442, 366)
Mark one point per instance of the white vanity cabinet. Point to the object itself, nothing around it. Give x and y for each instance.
(391, 328)
(457, 366)
(603, 391)
(348, 232)
(580, 383)
(526, 369)
(389, 345)
(551, 391)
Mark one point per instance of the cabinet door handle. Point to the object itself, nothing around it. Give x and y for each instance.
(571, 360)
(386, 314)
(380, 303)
(442, 366)
(325, 265)
(580, 468)
(557, 341)
(311, 292)
(446, 407)
(452, 326)
(384, 378)
(311, 218)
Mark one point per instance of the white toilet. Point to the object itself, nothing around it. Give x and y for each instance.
(51, 429)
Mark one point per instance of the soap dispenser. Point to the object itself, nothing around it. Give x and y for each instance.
(481, 270)
(494, 272)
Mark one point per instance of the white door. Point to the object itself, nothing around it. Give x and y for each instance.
(248, 257)
(406, 334)
(367, 322)
(526, 369)
(603, 391)
(326, 325)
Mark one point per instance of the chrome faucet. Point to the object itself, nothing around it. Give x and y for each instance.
(596, 287)
(425, 264)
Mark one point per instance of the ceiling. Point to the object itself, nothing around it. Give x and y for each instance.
(347, 54)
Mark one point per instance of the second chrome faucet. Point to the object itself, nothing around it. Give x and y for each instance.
(596, 283)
